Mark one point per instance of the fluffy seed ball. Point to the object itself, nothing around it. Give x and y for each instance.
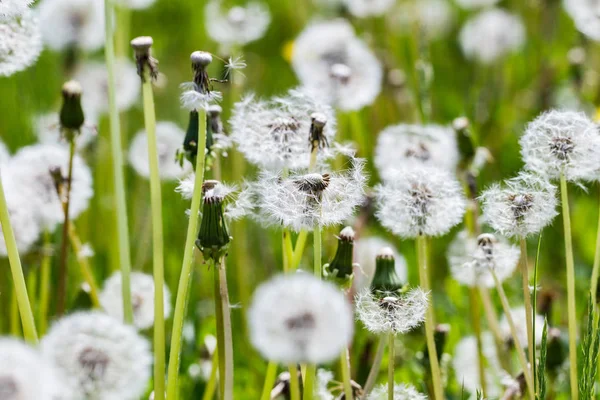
(585, 14)
(13, 8)
(520, 320)
(238, 25)
(401, 392)
(20, 42)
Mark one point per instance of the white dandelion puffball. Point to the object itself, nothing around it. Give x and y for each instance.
(401, 392)
(98, 357)
(366, 251)
(333, 63)
(470, 4)
(415, 145)
(20, 43)
(466, 367)
(300, 319)
(48, 131)
(13, 8)
(490, 35)
(420, 201)
(471, 261)
(142, 298)
(68, 23)
(238, 25)
(274, 134)
(94, 81)
(324, 377)
(562, 142)
(586, 15)
(168, 140)
(368, 8)
(136, 4)
(19, 363)
(519, 318)
(434, 17)
(4, 153)
(32, 165)
(303, 201)
(523, 206)
(398, 313)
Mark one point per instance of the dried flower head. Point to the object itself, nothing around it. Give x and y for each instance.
(415, 145)
(142, 298)
(562, 142)
(586, 15)
(420, 201)
(336, 65)
(434, 17)
(20, 42)
(368, 8)
(470, 4)
(198, 93)
(393, 313)
(98, 357)
(13, 8)
(401, 392)
(274, 134)
(490, 35)
(19, 363)
(168, 139)
(302, 201)
(524, 205)
(238, 25)
(520, 320)
(472, 259)
(466, 365)
(72, 23)
(366, 250)
(299, 318)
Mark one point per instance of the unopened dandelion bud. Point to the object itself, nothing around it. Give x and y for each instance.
(466, 144)
(386, 280)
(213, 237)
(190, 142)
(341, 268)
(71, 113)
(317, 138)
(557, 351)
(142, 48)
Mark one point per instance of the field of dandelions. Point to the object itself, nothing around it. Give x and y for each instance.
(301, 200)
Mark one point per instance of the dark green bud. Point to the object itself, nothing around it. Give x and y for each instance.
(213, 238)
(557, 351)
(190, 142)
(71, 113)
(341, 268)
(466, 142)
(440, 336)
(386, 279)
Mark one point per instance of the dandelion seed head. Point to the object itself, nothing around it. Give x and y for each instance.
(523, 206)
(470, 4)
(13, 8)
(401, 392)
(136, 4)
(562, 141)
(273, 134)
(67, 23)
(237, 26)
(420, 201)
(20, 42)
(168, 140)
(366, 250)
(4, 153)
(434, 17)
(192, 100)
(98, 357)
(368, 8)
(415, 145)
(520, 320)
(586, 15)
(48, 132)
(298, 318)
(334, 64)
(466, 365)
(321, 390)
(490, 35)
(397, 313)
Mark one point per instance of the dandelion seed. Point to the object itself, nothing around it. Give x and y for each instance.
(490, 35)
(20, 363)
(274, 134)
(562, 142)
(522, 207)
(168, 139)
(520, 321)
(21, 42)
(235, 65)
(142, 298)
(334, 64)
(368, 8)
(365, 251)
(299, 318)
(420, 201)
(406, 145)
(72, 23)
(585, 14)
(401, 392)
(470, 4)
(237, 26)
(98, 357)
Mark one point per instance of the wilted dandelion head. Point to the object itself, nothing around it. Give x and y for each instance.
(20, 42)
(466, 365)
(520, 320)
(274, 134)
(420, 201)
(368, 8)
(303, 201)
(168, 139)
(19, 364)
(469, 4)
(562, 142)
(72, 23)
(98, 357)
(472, 259)
(490, 35)
(407, 145)
(336, 65)
(401, 392)
(434, 17)
(238, 25)
(366, 250)
(586, 15)
(142, 299)
(299, 318)
(523, 206)
(393, 313)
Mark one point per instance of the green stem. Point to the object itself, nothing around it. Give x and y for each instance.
(475, 315)
(309, 382)
(84, 264)
(492, 319)
(596, 267)
(224, 334)
(345, 367)
(117, 159)
(534, 305)
(157, 238)
(211, 385)
(270, 378)
(570, 287)
(299, 249)
(15, 326)
(44, 299)
(186, 268)
(375, 367)
(317, 251)
(288, 251)
(391, 365)
(527, 300)
(429, 318)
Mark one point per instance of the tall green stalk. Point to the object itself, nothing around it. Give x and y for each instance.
(375, 367)
(16, 270)
(186, 268)
(392, 365)
(527, 301)
(295, 384)
(475, 315)
(211, 385)
(224, 334)
(44, 298)
(345, 368)
(571, 306)
(117, 161)
(270, 379)
(309, 382)
(596, 267)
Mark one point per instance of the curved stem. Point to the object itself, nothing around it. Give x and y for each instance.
(84, 264)
(345, 368)
(391, 365)
(270, 378)
(527, 300)
(492, 319)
